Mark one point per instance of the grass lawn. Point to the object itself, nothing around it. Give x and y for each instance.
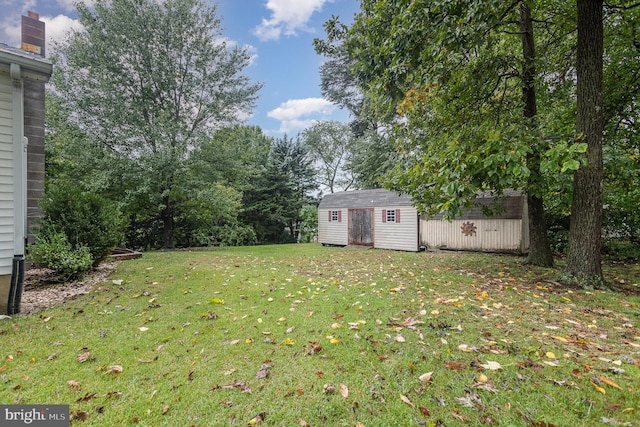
(314, 336)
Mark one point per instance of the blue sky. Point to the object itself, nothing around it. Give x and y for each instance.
(279, 34)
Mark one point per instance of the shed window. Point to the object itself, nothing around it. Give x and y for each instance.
(391, 215)
(335, 216)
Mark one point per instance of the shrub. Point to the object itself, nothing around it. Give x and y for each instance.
(86, 219)
(53, 250)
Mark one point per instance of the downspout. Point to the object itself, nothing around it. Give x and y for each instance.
(19, 192)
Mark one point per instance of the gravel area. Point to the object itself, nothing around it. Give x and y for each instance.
(42, 290)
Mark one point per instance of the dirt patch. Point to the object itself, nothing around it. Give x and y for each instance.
(42, 288)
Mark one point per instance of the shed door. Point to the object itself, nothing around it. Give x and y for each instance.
(361, 227)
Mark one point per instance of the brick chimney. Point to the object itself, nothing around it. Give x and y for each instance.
(33, 36)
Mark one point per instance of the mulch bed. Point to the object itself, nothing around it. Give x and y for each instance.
(43, 288)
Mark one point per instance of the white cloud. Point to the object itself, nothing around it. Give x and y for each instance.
(69, 5)
(295, 114)
(288, 17)
(56, 28)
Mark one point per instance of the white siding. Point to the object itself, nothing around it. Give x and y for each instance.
(6, 175)
(401, 235)
(492, 235)
(333, 232)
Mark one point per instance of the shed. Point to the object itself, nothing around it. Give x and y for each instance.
(22, 79)
(377, 218)
(505, 231)
(384, 219)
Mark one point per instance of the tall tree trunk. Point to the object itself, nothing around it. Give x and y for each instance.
(539, 248)
(168, 224)
(584, 257)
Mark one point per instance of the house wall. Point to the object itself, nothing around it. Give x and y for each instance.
(402, 236)
(491, 235)
(34, 111)
(6, 176)
(333, 232)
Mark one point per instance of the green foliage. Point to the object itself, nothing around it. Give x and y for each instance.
(145, 83)
(564, 157)
(308, 224)
(53, 250)
(86, 220)
(210, 218)
(273, 205)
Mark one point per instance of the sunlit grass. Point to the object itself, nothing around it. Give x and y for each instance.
(343, 335)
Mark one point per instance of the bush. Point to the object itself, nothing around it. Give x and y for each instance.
(53, 250)
(86, 220)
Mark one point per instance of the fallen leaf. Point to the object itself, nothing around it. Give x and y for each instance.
(84, 357)
(313, 347)
(492, 366)
(424, 411)
(426, 378)
(344, 390)
(607, 381)
(75, 385)
(115, 369)
(600, 389)
(406, 400)
(87, 397)
(453, 366)
(264, 371)
(302, 423)
(112, 393)
(243, 387)
(483, 378)
(399, 338)
(165, 409)
(256, 419)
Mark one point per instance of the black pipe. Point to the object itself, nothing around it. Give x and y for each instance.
(17, 281)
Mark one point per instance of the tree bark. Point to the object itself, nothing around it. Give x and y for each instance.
(539, 248)
(584, 257)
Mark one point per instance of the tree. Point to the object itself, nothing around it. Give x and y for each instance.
(147, 82)
(273, 204)
(585, 239)
(330, 146)
(461, 78)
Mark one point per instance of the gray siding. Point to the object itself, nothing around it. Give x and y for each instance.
(6, 175)
(333, 232)
(403, 235)
(491, 235)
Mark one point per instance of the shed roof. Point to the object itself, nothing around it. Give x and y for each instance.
(364, 199)
(509, 206)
